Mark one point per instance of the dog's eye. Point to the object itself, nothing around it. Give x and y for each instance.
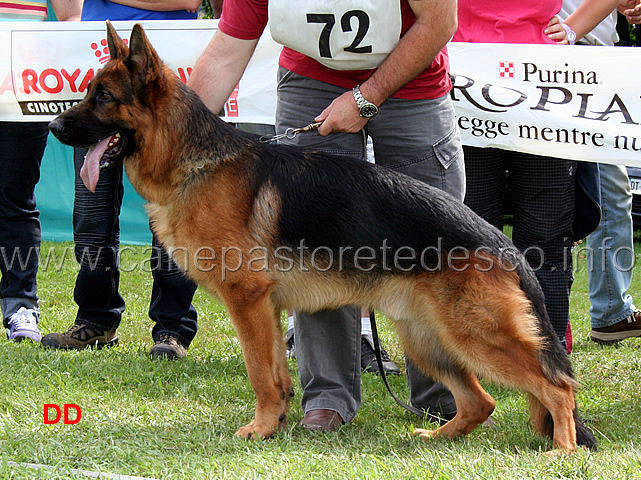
(104, 96)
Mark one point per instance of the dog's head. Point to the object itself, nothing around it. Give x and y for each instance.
(115, 107)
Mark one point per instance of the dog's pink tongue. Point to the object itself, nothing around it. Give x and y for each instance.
(90, 171)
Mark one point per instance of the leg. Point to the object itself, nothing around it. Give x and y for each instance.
(485, 178)
(257, 324)
(472, 404)
(97, 237)
(328, 353)
(543, 195)
(429, 149)
(171, 297)
(428, 394)
(511, 353)
(21, 148)
(329, 381)
(611, 251)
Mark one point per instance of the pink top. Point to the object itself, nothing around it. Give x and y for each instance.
(505, 21)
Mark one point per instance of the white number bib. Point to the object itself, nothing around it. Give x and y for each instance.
(341, 34)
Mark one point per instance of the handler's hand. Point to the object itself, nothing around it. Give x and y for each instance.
(556, 31)
(341, 115)
(631, 9)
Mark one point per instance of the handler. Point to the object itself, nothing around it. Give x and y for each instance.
(362, 68)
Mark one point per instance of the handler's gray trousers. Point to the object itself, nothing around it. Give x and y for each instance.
(416, 137)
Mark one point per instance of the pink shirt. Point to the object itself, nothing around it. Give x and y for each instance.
(505, 21)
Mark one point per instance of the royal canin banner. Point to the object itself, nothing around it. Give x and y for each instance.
(574, 102)
(45, 67)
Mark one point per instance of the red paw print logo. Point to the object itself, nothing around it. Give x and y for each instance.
(101, 50)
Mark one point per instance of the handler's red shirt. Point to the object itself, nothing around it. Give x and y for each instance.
(246, 19)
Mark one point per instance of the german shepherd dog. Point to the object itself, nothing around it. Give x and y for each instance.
(271, 227)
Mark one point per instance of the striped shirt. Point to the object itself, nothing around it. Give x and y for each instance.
(23, 10)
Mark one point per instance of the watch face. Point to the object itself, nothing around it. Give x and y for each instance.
(369, 110)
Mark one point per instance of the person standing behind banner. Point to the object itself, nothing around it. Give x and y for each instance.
(543, 188)
(22, 145)
(613, 316)
(97, 232)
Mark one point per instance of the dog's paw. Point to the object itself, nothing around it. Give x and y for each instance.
(254, 431)
(426, 435)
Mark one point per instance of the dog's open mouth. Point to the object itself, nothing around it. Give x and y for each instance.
(101, 155)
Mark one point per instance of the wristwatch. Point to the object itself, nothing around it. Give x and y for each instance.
(367, 109)
(571, 34)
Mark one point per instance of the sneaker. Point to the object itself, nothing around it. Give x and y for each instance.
(626, 328)
(289, 344)
(368, 358)
(24, 324)
(81, 335)
(169, 347)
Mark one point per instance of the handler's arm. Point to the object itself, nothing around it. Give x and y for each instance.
(436, 22)
(162, 5)
(589, 14)
(67, 10)
(219, 68)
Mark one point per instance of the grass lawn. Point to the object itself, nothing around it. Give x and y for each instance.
(176, 420)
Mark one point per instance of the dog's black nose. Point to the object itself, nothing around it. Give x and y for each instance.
(56, 126)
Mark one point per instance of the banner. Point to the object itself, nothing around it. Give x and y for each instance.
(573, 102)
(48, 65)
(577, 102)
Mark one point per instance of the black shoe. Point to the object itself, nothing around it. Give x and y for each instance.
(629, 327)
(169, 347)
(289, 344)
(81, 335)
(368, 358)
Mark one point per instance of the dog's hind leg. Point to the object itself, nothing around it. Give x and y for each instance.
(552, 410)
(473, 404)
(257, 323)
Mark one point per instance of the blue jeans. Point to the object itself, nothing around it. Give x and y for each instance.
(611, 251)
(21, 148)
(97, 235)
(416, 137)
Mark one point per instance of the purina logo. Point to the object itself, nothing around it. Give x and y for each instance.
(101, 50)
(506, 69)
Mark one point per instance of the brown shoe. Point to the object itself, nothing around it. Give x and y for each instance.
(322, 420)
(627, 328)
(169, 347)
(79, 336)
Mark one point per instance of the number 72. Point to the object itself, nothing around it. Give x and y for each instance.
(346, 25)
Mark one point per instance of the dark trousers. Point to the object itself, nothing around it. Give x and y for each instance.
(542, 192)
(97, 235)
(21, 148)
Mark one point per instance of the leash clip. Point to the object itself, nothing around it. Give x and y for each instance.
(290, 133)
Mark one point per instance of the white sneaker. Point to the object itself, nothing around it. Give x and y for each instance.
(24, 324)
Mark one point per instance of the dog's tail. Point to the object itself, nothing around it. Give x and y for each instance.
(554, 361)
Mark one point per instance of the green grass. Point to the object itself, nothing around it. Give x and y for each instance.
(176, 420)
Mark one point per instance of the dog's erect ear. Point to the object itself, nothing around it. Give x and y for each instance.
(117, 48)
(143, 55)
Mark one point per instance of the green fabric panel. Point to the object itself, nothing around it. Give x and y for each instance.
(55, 192)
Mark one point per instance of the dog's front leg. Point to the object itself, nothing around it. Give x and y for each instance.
(257, 324)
